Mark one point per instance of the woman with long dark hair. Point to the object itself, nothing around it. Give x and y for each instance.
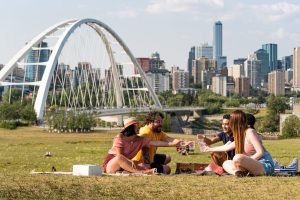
(125, 146)
(251, 156)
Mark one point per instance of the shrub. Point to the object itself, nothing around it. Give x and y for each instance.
(11, 124)
(291, 127)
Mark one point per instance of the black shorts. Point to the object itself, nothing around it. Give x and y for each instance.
(159, 160)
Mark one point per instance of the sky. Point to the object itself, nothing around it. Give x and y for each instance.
(170, 27)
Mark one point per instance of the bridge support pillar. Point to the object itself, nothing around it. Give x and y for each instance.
(120, 120)
(197, 114)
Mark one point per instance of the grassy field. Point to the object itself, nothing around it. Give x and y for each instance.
(22, 151)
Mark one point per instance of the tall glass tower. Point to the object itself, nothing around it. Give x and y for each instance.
(34, 72)
(190, 60)
(272, 51)
(263, 56)
(218, 43)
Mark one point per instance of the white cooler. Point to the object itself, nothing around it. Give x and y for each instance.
(87, 170)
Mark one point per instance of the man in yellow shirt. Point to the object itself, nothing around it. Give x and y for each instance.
(153, 130)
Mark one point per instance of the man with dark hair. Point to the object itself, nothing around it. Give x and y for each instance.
(153, 130)
(225, 136)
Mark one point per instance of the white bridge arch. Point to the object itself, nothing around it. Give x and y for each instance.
(44, 83)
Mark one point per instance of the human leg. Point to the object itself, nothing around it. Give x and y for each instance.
(162, 159)
(230, 167)
(160, 162)
(165, 169)
(245, 163)
(121, 162)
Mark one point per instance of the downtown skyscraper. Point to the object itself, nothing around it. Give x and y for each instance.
(272, 51)
(218, 45)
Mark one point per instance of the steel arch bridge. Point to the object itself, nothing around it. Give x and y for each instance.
(78, 65)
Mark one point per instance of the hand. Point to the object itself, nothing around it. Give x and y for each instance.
(206, 148)
(176, 143)
(200, 136)
(187, 143)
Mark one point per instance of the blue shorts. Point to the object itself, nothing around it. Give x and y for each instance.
(268, 163)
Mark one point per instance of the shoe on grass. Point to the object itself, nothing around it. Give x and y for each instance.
(241, 173)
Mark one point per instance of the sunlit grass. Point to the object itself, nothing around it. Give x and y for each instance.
(22, 151)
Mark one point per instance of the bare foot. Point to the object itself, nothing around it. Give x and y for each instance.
(150, 171)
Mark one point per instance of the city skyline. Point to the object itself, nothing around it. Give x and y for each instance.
(169, 27)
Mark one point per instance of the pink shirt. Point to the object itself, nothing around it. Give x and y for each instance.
(248, 147)
(130, 148)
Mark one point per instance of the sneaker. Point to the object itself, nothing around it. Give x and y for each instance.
(241, 173)
(276, 164)
(293, 165)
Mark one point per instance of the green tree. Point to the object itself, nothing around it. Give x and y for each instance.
(291, 127)
(275, 106)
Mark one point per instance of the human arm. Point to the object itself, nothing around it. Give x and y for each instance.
(253, 138)
(164, 143)
(223, 148)
(208, 141)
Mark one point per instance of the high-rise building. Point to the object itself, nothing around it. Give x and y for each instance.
(180, 79)
(276, 83)
(287, 62)
(236, 70)
(239, 61)
(192, 56)
(35, 71)
(219, 85)
(204, 51)
(252, 70)
(218, 45)
(152, 63)
(159, 80)
(217, 40)
(263, 56)
(199, 66)
(156, 74)
(288, 77)
(272, 51)
(296, 70)
(242, 86)
(197, 52)
(144, 63)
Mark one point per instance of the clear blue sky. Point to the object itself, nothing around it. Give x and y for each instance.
(170, 27)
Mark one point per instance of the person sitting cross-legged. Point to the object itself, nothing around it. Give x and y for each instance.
(153, 131)
(251, 156)
(125, 146)
(225, 136)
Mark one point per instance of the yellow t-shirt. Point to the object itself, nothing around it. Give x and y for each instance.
(147, 132)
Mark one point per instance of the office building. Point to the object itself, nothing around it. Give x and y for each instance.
(239, 61)
(276, 83)
(35, 70)
(159, 79)
(288, 77)
(218, 45)
(287, 62)
(197, 52)
(296, 69)
(272, 51)
(219, 85)
(263, 56)
(200, 66)
(180, 78)
(242, 86)
(236, 70)
(252, 70)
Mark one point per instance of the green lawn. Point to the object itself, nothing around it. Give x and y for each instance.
(22, 151)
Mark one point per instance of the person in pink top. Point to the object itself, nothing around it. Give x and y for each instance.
(125, 146)
(251, 157)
